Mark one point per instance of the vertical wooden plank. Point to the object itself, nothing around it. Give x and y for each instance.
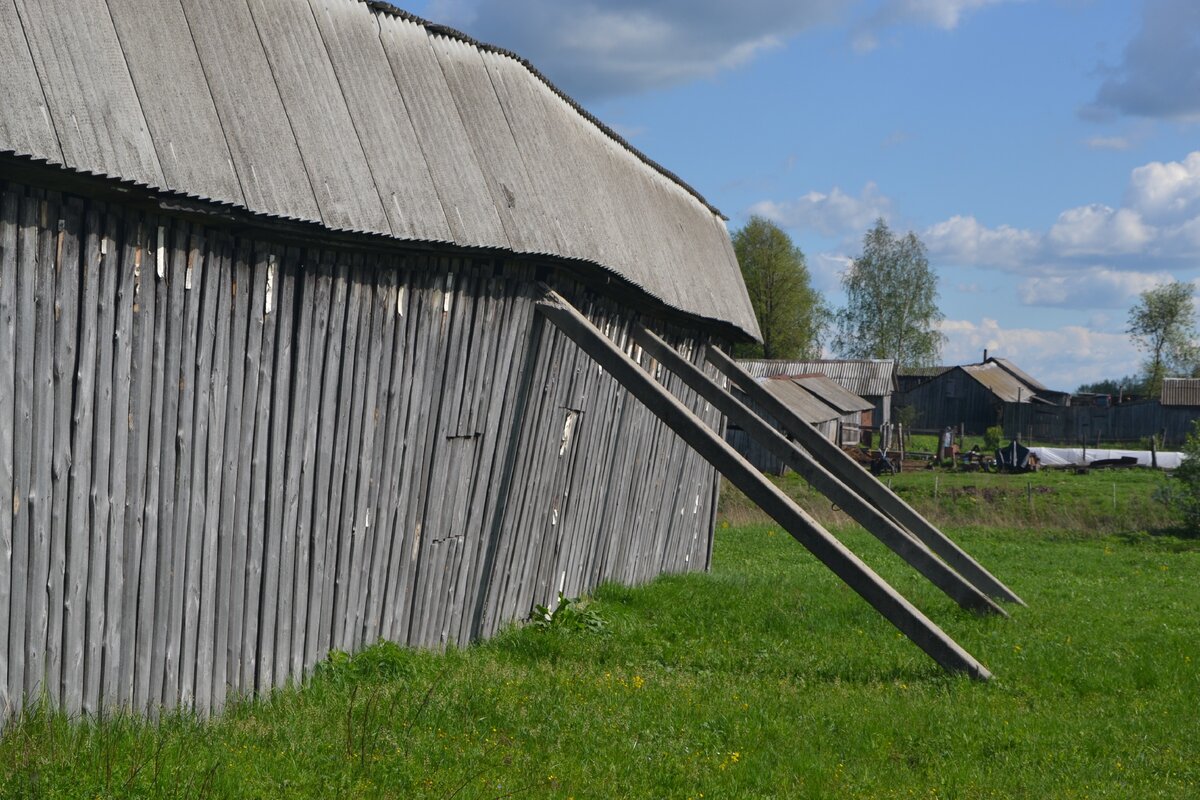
(141, 379)
(350, 526)
(200, 283)
(377, 416)
(285, 282)
(231, 548)
(121, 377)
(188, 440)
(294, 532)
(9, 214)
(67, 266)
(101, 434)
(23, 353)
(424, 307)
(79, 505)
(393, 511)
(252, 273)
(426, 553)
(204, 284)
(387, 536)
(155, 294)
(220, 274)
(171, 261)
(517, 363)
(266, 262)
(490, 386)
(311, 536)
(324, 558)
(336, 548)
(40, 499)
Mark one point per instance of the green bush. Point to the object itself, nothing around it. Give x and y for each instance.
(1184, 486)
(991, 438)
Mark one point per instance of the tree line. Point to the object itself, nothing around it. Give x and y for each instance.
(891, 309)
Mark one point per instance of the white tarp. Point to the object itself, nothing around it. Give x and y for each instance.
(1074, 456)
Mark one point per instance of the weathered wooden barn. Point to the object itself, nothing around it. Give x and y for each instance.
(321, 324)
(271, 379)
(974, 396)
(804, 404)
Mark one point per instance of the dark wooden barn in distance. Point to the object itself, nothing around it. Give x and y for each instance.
(271, 377)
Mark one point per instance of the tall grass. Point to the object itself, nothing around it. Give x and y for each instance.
(1050, 501)
(765, 678)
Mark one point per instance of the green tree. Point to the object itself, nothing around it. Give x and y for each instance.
(891, 302)
(791, 315)
(1163, 325)
(1130, 384)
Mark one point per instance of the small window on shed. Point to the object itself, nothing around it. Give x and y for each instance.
(952, 387)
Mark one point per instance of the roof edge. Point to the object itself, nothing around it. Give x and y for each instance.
(21, 168)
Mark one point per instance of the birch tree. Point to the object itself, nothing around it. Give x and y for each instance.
(891, 306)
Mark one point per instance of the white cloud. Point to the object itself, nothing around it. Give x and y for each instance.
(833, 213)
(943, 14)
(964, 240)
(1094, 287)
(1167, 192)
(1060, 357)
(1159, 75)
(1155, 231)
(827, 269)
(1099, 230)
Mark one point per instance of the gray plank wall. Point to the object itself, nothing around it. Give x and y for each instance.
(227, 456)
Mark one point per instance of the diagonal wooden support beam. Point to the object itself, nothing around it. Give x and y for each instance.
(857, 575)
(830, 456)
(882, 527)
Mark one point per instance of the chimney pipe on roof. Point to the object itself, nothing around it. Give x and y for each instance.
(985, 355)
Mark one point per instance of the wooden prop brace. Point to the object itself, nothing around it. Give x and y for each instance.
(900, 541)
(831, 457)
(858, 576)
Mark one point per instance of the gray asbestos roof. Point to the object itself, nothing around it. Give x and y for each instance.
(361, 118)
(1001, 382)
(832, 393)
(863, 377)
(1018, 373)
(1181, 392)
(804, 403)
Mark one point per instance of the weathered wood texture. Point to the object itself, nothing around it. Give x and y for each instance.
(227, 456)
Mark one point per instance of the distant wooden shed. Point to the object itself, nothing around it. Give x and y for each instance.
(835, 412)
(974, 396)
(871, 379)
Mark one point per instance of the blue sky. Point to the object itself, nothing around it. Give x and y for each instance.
(1046, 151)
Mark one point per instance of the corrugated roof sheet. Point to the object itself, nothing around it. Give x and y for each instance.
(832, 393)
(25, 125)
(1181, 392)
(920, 372)
(1018, 373)
(863, 377)
(360, 117)
(805, 404)
(1001, 383)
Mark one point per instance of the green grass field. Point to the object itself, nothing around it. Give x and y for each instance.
(765, 678)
